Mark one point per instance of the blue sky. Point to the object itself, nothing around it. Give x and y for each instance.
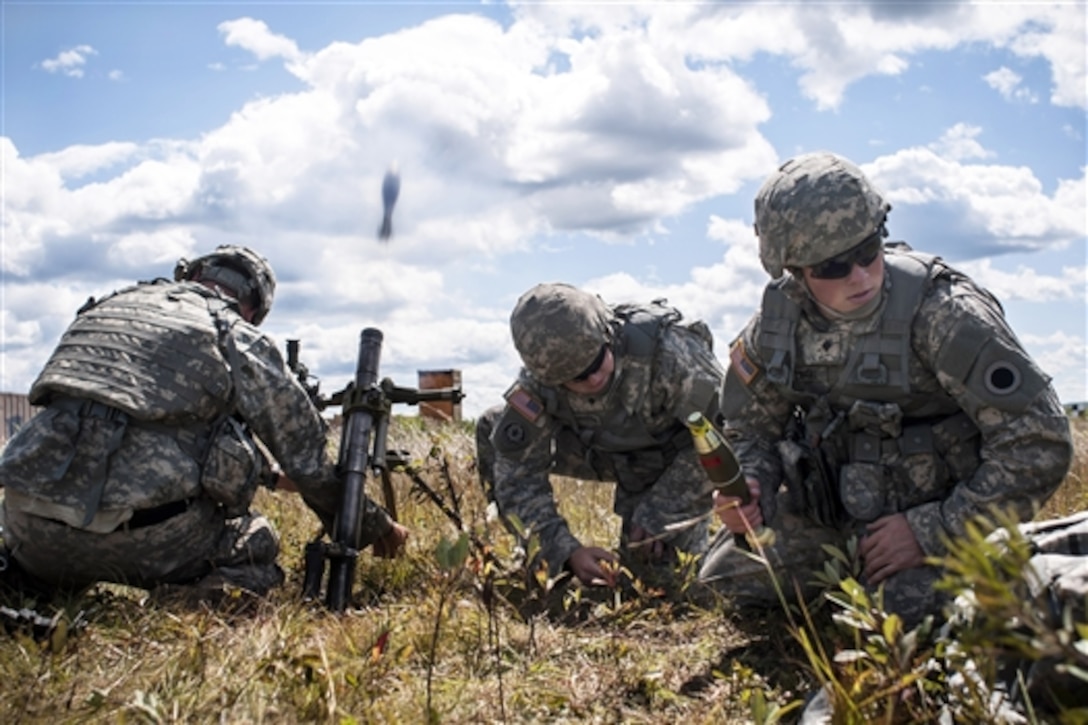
(617, 146)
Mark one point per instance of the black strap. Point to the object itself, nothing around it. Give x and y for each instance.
(156, 514)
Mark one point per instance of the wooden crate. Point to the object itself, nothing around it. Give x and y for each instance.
(440, 409)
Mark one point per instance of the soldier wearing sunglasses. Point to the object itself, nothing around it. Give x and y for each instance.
(877, 392)
(603, 396)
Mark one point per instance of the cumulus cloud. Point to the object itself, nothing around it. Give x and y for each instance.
(1007, 83)
(1027, 284)
(834, 45)
(254, 36)
(569, 125)
(69, 62)
(1055, 33)
(76, 161)
(981, 208)
(958, 143)
(1062, 356)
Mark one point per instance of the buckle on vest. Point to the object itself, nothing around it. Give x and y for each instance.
(875, 375)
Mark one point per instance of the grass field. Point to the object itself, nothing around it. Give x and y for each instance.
(446, 634)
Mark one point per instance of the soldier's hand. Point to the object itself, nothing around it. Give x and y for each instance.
(594, 566)
(737, 517)
(889, 546)
(644, 544)
(392, 544)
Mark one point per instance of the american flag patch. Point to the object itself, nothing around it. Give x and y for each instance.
(525, 403)
(741, 363)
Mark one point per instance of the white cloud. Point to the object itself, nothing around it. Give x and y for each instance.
(254, 36)
(69, 62)
(958, 143)
(79, 160)
(1056, 33)
(837, 44)
(1065, 357)
(1007, 83)
(1027, 284)
(606, 121)
(1005, 204)
(162, 247)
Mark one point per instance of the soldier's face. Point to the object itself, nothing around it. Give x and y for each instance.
(248, 312)
(597, 381)
(851, 292)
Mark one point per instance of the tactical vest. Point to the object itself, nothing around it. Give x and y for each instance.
(153, 356)
(878, 367)
(884, 445)
(152, 351)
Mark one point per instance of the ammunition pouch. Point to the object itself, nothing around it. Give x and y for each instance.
(932, 457)
(232, 466)
(810, 471)
(866, 488)
(70, 431)
(896, 463)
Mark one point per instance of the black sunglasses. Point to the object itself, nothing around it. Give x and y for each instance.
(841, 265)
(593, 366)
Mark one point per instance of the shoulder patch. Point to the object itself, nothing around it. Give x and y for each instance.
(528, 405)
(741, 362)
(514, 434)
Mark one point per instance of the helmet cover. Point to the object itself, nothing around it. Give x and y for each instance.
(558, 331)
(814, 207)
(238, 268)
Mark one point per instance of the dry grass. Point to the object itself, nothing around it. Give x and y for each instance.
(426, 642)
(1073, 493)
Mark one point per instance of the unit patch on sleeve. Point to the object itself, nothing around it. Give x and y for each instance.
(524, 402)
(741, 363)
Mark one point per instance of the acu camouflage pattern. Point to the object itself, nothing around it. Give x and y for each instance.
(45, 466)
(196, 547)
(558, 331)
(977, 426)
(814, 207)
(151, 350)
(633, 434)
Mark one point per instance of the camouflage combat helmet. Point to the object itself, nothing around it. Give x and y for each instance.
(237, 268)
(559, 330)
(814, 207)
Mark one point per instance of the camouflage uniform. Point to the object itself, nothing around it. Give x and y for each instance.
(926, 405)
(142, 466)
(632, 433)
